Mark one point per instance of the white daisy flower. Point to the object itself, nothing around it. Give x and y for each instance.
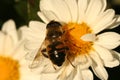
(82, 21)
(12, 63)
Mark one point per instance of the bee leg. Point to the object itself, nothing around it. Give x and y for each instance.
(54, 67)
(70, 62)
(43, 51)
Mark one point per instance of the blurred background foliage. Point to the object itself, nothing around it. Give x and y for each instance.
(22, 11)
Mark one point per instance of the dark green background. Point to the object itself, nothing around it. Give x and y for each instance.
(22, 11)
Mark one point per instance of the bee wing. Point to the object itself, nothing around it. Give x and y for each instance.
(31, 58)
(31, 55)
(36, 57)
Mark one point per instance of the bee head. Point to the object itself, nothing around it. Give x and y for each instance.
(52, 24)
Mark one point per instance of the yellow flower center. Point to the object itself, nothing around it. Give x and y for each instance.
(72, 37)
(9, 69)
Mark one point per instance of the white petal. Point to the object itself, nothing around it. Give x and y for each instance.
(96, 58)
(112, 63)
(88, 37)
(49, 76)
(31, 77)
(59, 7)
(108, 40)
(73, 75)
(103, 21)
(83, 61)
(43, 17)
(35, 35)
(95, 7)
(116, 23)
(78, 75)
(33, 65)
(32, 35)
(100, 72)
(50, 15)
(42, 65)
(8, 45)
(104, 53)
(22, 33)
(82, 5)
(48, 66)
(116, 55)
(9, 28)
(26, 74)
(82, 74)
(97, 66)
(87, 74)
(67, 72)
(72, 5)
(34, 39)
(104, 5)
(115, 62)
(2, 36)
(37, 26)
(107, 57)
(31, 54)
(19, 51)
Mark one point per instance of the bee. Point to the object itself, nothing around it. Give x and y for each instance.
(53, 47)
